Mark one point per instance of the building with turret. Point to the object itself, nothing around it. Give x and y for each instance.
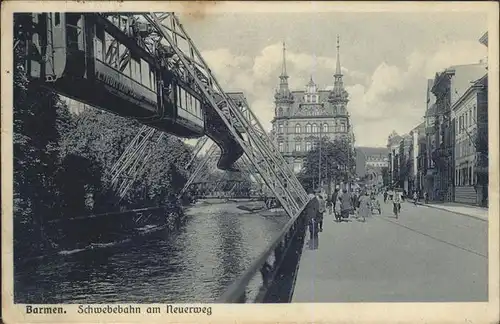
(302, 117)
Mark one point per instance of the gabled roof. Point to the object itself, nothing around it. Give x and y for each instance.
(464, 77)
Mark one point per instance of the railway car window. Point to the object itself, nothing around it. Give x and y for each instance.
(153, 80)
(81, 33)
(111, 50)
(125, 68)
(135, 70)
(145, 73)
(124, 56)
(98, 43)
(98, 49)
(178, 96)
(57, 19)
(183, 99)
(75, 32)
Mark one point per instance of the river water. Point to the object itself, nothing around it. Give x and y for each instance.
(194, 264)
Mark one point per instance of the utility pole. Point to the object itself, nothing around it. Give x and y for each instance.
(319, 164)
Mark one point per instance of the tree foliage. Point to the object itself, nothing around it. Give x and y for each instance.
(335, 158)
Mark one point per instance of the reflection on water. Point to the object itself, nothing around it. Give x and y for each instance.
(196, 264)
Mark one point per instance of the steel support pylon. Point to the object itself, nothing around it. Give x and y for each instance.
(131, 164)
(255, 142)
(197, 149)
(203, 169)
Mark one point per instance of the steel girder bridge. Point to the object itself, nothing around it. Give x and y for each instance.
(145, 66)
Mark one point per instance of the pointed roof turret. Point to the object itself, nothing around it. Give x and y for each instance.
(283, 68)
(311, 82)
(283, 93)
(338, 93)
(338, 70)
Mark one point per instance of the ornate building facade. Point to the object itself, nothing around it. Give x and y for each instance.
(303, 117)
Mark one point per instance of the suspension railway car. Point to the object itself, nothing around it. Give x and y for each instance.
(86, 57)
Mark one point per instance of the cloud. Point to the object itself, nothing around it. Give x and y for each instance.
(391, 96)
(395, 96)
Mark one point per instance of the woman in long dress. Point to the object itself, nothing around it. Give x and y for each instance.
(364, 206)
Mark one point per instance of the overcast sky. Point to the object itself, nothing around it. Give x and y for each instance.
(386, 58)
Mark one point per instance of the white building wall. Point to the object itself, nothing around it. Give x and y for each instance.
(466, 126)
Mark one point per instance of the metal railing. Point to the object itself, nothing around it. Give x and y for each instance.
(278, 266)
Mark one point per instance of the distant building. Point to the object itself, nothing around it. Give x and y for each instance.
(370, 161)
(393, 143)
(405, 163)
(427, 163)
(303, 117)
(416, 175)
(419, 156)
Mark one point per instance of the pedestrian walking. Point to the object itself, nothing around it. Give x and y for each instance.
(426, 197)
(338, 209)
(345, 204)
(312, 213)
(396, 201)
(364, 206)
(415, 198)
(321, 210)
(334, 199)
(355, 201)
(385, 196)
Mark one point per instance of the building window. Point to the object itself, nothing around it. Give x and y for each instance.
(315, 128)
(280, 146)
(470, 117)
(308, 146)
(308, 128)
(280, 128)
(474, 114)
(297, 128)
(297, 147)
(325, 128)
(342, 127)
(297, 166)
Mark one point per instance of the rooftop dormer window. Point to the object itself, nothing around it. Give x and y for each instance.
(311, 95)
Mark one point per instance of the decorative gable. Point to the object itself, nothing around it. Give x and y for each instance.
(311, 110)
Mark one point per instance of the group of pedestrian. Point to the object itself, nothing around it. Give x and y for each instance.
(342, 204)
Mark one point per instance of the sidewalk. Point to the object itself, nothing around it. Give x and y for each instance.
(461, 209)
